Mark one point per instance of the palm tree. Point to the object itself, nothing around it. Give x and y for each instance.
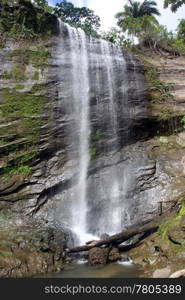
(137, 9)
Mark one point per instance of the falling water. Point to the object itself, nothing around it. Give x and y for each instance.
(94, 94)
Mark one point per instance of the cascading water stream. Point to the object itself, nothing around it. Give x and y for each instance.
(95, 73)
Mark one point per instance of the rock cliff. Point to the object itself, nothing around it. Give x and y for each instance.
(35, 171)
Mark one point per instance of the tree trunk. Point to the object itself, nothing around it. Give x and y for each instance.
(116, 239)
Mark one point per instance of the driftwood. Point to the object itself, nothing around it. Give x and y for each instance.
(116, 239)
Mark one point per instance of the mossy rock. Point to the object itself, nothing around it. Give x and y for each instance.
(25, 252)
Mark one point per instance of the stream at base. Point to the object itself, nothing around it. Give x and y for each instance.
(84, 270)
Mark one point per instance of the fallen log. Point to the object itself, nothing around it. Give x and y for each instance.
(116, 239)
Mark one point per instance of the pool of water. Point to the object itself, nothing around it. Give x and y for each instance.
(81, 269)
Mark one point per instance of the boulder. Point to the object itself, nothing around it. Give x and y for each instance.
(98, 256)
(114, 255)
(162, 273)
(178, 274)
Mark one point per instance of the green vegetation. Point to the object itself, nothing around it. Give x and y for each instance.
(26, 21)
(173, 4)
(168, 226)
(137, 21)
(82, 17)
(19, 86)
(97, 136)
(35, 76)
(183, 122)
(38, 57)
(23, 20)
(26, 107)
(16, 73)
(22, 170)
(44, 5)
(160, 91)
(5, 253)
(165, 114)
(93, 152)
(163, 140)
(138, 9)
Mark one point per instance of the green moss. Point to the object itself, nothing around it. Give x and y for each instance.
(35, 76)
(7, 75)
(160, 91)
(23, 170)
(168, 226)
(183, 122)
(93, 152)
(24, 106)
(27, 108)
(182, 211)
(19, 86)
(5, 253)
(16, 73)
(38, 88)
(38, 58)
(97, 136)
(165, 114)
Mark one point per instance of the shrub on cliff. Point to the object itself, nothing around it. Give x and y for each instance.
(20, 19)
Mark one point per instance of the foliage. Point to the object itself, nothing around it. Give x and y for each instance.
(82, 17)
(93, 152)
(19, 86)
(97, 136)
(181, 29)
(168, 226)
(183, 122)
(24, 21)
(165, 113)
(177, 45)
(23, 170)
(26, 107)
(43, 4)
(137, 9)
(160, 91)
(142, 28)
(173, 4)
(115, 36)
(38, 57)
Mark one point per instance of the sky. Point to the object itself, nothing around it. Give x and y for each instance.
(107, 9)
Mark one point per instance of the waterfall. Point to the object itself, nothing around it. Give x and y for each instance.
(94, 97)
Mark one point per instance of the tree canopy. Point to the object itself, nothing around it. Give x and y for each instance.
(181, 29)
(137, 9)
(78, 16)
(173, 4)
